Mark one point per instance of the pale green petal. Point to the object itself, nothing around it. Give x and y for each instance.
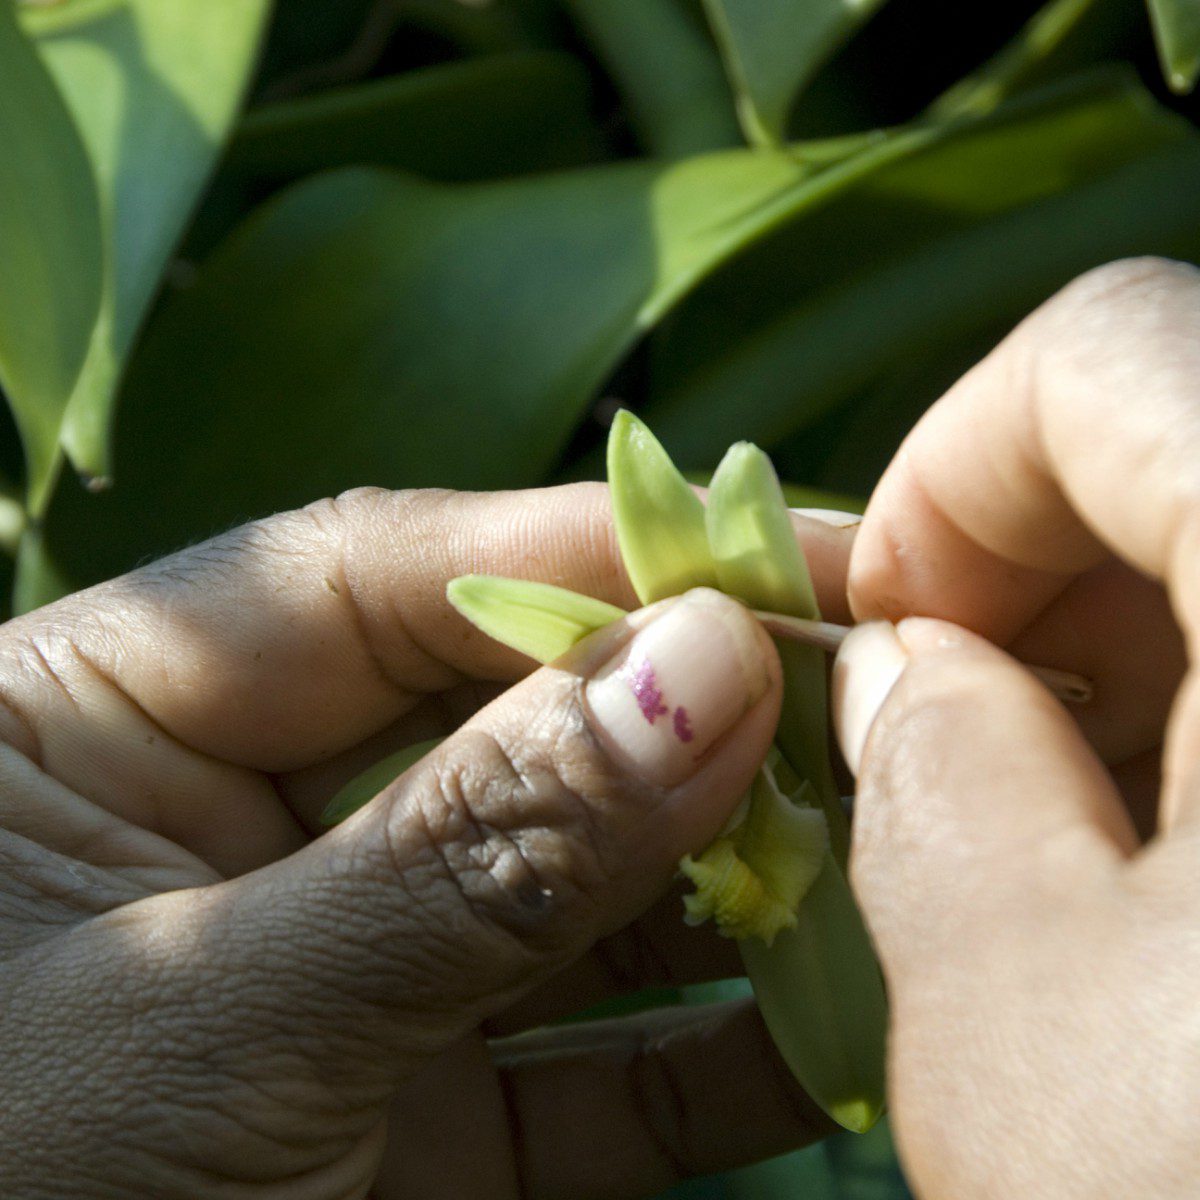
(658, 517)
(365, 787)
(759, 560)
(534, 618)
(751, 536)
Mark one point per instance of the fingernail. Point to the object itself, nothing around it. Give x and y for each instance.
(868, 664)
(830, 516)
(684, 680)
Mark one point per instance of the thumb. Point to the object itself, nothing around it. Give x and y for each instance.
(978, 798)
(554, 817)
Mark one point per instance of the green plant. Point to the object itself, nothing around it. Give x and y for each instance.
(440, 237)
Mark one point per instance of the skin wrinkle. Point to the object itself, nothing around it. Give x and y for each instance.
(441, 675)
(503, 902)
(571, 742)
(38, 807)
(61, 659)
(414, 513)
(159, 817)
(60, 880)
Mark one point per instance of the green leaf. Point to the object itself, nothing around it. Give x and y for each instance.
(1062, 32)
(38, 579)
(658, 516)
(483, 118)
(822, 998)
(667, 71)
(1177, 32)
(947, 246)
(759, 560)
(406, 333)
(153, 86)
(772, 48)
(501, 115)
(495, 27)
(362, 789)
(50, 258)
(534, 618)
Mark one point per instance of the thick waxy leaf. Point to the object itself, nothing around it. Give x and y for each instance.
(494, 27)
(481, 118)
(667, 70)
(534, 618)
(50, 256)
(751, 879)
(759, 560)
(658, 517)
(946, 248)
(822, 997)
(1061, 36)
(773, 47)
(500, 115)
(1177, 31)
(153, 86)
(405, 333)
(365, 787)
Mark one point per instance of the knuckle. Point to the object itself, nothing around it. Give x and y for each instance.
(1114, 290)
(406, 507)
(506, 833)
(366, 496)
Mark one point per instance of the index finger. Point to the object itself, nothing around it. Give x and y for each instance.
(1077, 439)
(281, 643)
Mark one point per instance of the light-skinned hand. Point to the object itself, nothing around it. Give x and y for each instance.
(1031, 875)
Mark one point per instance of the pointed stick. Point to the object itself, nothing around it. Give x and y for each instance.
(1066, 685)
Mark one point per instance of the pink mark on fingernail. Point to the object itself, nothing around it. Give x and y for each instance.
(683, 727)
(646, 691)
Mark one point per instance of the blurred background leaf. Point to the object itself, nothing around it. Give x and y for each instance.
(480, 118)
(771, 48)
(667, 70)
(924, 254)
(50, 259)
(376, 317)
(1060, 38)
(153, 86)
(1177, 29)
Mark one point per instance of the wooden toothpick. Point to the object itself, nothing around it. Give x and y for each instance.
(825, 635)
